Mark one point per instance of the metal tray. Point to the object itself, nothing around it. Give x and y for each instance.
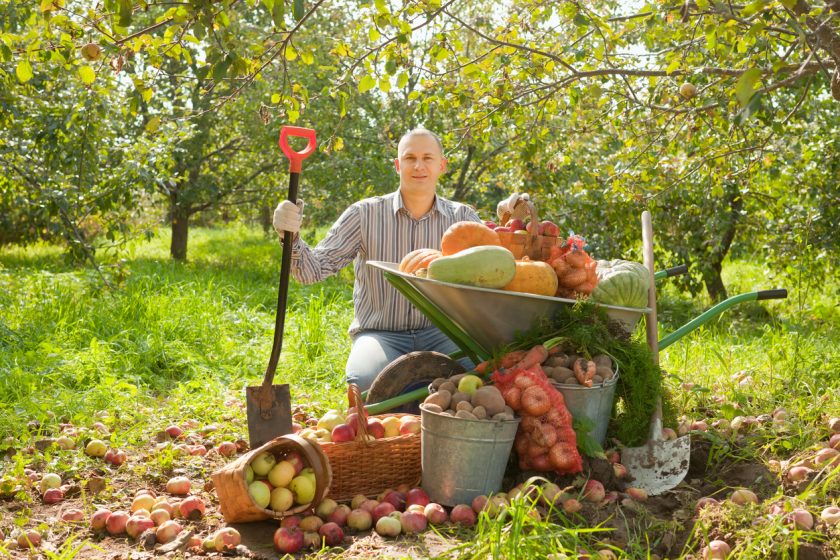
(493, 317)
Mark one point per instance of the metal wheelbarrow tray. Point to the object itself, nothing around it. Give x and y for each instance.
(491, 317)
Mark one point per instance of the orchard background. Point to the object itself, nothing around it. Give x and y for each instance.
(140, 167)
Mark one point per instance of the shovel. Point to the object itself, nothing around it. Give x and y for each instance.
(270, 406)
(659, 465)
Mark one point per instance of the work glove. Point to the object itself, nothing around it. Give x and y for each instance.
(287, 217)
(515, 206)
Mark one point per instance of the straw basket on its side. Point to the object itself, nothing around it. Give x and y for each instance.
(236, 503)
(369, 466)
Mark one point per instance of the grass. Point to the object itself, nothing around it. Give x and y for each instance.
(179, 341)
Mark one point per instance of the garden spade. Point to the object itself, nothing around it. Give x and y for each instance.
(659, 465)
(270, 406)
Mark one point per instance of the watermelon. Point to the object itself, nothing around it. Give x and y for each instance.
(622, 283)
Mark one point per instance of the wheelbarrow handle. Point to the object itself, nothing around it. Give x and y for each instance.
(780, 293)
(671, 272)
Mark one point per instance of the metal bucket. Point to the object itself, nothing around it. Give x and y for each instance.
(463, 458)
(594, 403)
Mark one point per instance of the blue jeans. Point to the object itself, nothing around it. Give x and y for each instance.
(373, 350)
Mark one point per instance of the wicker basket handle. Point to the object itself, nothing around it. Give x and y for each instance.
(354, 397)
(316, 461)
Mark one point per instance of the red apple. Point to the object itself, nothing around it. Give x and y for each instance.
(375, 428)
(98, 519)
(413, 522)
(382, 510)
(29, 538)
(435, 514)
(409, 425)
(310, 523)
(491, 225)
(291, 521)
(529, 227)
(332, 534)
(360, 520)
(417, 496)
(339, 515)
(593, 491)
(53, 496)
(368, 505)
(192, 508)
(72, 515)
(515, 224)
(479, 503)
(137, 524)
(174, 431)
(462, 514)
(549, 228)
(178, 485)
(395, 499)
(352, 420)
(342, 433)
(115, 456)
(288, 540)
(227, 449)
(503, 229)
(296, 460)
(167, 531)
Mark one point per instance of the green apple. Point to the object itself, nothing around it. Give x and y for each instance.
(263, 462)
(469, 384)
(249, 474)
(308, 472)
(303, 489)
(281, 499)
(392, 426)
(260, 493)
(330, 420)
(281, 474)
(96, 448)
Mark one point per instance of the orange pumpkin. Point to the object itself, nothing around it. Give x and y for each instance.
(463, 235)
(533, 277)
(417, 259)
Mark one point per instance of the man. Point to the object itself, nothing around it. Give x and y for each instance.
(383, 228)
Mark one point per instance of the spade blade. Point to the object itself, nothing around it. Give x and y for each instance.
(269, 413)
(659, 465)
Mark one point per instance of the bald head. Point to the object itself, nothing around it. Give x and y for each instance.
(420, 131)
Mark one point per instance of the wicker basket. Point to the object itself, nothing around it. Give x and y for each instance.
(370, 466)
(528, 244)
(234, 499)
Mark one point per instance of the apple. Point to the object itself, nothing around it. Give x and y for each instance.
(288, 540)
(469, 384)
(91, 52)
(296, 460)
(801, 518)
(72, 515)
(99, 519)
(530, 226)
(249, 475)
(226, 449)
(717, 550)
(369, 505)
(413, 522)
(593, 491)
(65, 442)
(462, 514)
(503, 229)
(281, 474)
(167, 531)
(49, 480)
(325, 508)
(417, 496)
(339, 516)
(115, 457)
(281, 499)
(388, 527)
(303, 489)
(352, 420)
(742, 496)
(342, 433)
(515, 224)
(263, 463)
(572, 506)
(192, 508)
(142, 501)
(359, 520)
(391, 425)
(395, 498)
(100, 427)
(160, 516)
(96, 448)
(290, 521)
(435, 513)
(376, 428)
(383, 509)
(136, 525)
(260, 492)
(311, 523)
(549, 228)
(53, 495)
(416, 508)
(178, 485)
(330, 420)
(226, 538)
(409, 425)
(357, 501)
(332, 534)
(162, 503)
(688, 90)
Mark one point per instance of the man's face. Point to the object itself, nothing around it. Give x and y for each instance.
(419, 163)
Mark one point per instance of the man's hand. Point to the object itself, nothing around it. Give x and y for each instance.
(287, 216)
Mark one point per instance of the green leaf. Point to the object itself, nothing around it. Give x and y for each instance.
(385, 84)
(125, 12)
(374, 34)
(220, 68)
(275, 98)
(366, 83)
(581, 20)
(342, 105)
(402, 80)
(291, 53)
(153, 125)
(745, 88)
(298, 10)
(23, 71)
(87, 74)
(674, 66)
(338, 144)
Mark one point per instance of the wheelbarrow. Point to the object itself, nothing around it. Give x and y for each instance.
(472, 322)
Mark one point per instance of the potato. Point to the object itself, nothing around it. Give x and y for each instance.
(431, 407)
(463, 405)
(503, 416)
(604, 372)
(490, 398)
(602, 360)
(456, 398)
(466, 415)
(448, 386)
(557, 360)
(438, 382)
(572, 380)
(508, 411)
(457, 378)
(561, 373)
(597, 379)
(441, 398)
(571, 359)
(479, 412)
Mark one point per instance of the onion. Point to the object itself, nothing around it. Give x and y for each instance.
(717, 550)
(742, 496)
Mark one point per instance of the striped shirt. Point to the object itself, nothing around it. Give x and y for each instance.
(378, 229)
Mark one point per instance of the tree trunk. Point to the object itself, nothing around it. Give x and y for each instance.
(266, 218)
(180, 223)
(727, 228)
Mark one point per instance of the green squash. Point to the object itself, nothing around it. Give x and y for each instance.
(485, 266)
(622, 283)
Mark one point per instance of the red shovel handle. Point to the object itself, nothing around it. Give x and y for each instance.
(296, 158)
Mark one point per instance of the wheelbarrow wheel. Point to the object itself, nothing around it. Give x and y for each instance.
(409, 372)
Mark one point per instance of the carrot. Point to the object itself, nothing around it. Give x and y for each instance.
(535, 356)
(506, 361)
(584, 371)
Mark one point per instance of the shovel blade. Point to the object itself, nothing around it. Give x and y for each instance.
(269, 413)
(659, 465)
